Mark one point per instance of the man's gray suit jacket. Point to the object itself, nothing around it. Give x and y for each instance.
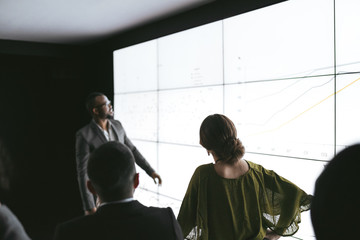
(91, 137)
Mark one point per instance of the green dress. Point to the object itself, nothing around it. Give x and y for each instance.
(216, 208)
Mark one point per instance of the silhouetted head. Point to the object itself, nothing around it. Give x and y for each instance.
(335, 209)
(218, 134)
(99, 106)
(111, 171)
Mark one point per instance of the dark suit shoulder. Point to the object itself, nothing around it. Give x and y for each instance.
(159, 211)
(116, 122)
(160, 223)
(136, 221)
(131, 221)
(90, 133)
(78, 228)
(85, 129)
(79, 221)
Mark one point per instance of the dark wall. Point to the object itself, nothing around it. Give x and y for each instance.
(42, 105)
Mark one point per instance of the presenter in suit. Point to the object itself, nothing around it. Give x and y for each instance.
(101, 129)
(113, 179)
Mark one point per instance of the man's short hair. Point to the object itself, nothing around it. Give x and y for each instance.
(90, 101)
(111, 170)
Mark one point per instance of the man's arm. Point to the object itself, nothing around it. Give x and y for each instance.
(82, 156)
(141, 161)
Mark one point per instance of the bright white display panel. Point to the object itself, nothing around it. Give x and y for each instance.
(347, 36)
(150, 151)
(347, 110)
(293, 117)
(135, 68)
(291, 39)
(147, 191)
(182, 111)
(177, 164)
(138, 114)
(288, 76)
(202, 49)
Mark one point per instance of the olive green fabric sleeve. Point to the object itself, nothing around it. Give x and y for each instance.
(189, 214)
(282, 202)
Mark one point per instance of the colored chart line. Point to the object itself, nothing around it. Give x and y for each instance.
(305, 111)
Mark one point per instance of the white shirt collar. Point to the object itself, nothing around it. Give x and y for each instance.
(119, 201)
(109, 135)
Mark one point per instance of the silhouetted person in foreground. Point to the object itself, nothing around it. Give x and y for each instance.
(234, 198)
(101, 129)
(112, 178)
(10, 226)
(335, 209)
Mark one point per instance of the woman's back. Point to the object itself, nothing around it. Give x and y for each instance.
(234, 198)
(231, 171)
(240, 208)
(232, 206)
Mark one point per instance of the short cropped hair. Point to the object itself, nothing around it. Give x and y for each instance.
(111, 170)
(90, 101)
(335, 209)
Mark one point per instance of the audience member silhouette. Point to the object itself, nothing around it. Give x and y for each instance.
(10, 226)
(112, 178)
(235, 198)
(335, 209)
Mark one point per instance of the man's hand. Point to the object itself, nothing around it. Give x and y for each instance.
(154, 175)
(91, 211)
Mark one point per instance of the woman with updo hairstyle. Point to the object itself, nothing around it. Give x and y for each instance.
(218, 133)
(234, 198)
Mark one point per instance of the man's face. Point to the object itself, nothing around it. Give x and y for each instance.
(103, 108)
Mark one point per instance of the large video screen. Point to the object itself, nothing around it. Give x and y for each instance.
(288, 76)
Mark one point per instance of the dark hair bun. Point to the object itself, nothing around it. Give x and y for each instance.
(233, 150)
(230, 145)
